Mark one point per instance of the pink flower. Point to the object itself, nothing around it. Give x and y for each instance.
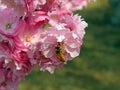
(33, 5)
(10, 24)
(28, 38)
(21, 56)
(17, 5)
(41, 33)
(8, 80)
(50, 65)
(72, 44)
(75, 4)
(6, 44)
(49, 5)
(37, 18)
(76, 24)
(22, 62)
(59, 46)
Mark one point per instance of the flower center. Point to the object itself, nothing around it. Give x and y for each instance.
(27, 38)
(8, 26)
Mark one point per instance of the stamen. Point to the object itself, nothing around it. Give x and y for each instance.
(27, 38)
(8, 26)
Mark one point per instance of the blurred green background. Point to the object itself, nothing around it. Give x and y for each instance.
(98, 66)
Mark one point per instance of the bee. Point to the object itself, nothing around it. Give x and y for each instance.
(59, 52)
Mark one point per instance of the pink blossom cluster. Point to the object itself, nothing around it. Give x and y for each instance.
(42, 33)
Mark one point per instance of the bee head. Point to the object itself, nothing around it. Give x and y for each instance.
(58, 49)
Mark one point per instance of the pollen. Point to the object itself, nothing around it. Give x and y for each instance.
(8, 26)
(27, 38)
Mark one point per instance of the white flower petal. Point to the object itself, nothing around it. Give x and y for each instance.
(60, 38)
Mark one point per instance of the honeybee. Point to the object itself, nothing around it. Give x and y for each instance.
(59, 52)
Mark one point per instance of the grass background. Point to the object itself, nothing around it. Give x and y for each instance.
(97, 67)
